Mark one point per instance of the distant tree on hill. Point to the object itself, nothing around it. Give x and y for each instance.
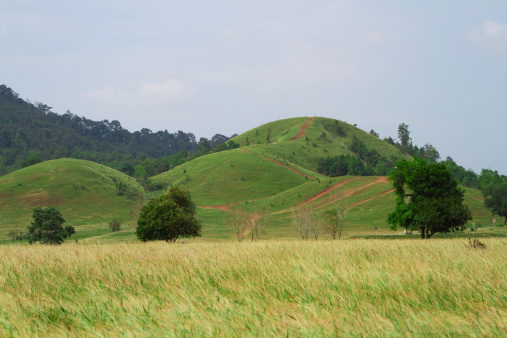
(31, 161)
(168, 217)
(496, 198)
(428, 199)
(429, 153)
(404, 135)
(47, 227)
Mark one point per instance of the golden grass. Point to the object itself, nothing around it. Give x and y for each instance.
(344, 288)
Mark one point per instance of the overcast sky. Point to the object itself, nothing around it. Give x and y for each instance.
(225, 67)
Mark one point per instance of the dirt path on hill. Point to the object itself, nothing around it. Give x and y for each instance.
(352, 191)
(303, 129)
(280, 163)
(223, 207)
(369, 199)
(326, 191)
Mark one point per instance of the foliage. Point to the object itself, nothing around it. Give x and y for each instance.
(31, 133)
(30, 161)
(496, 199)
(302, 220)
(404, 135)
(115, 225)
(334, 219)
(475, 244)
(427, 199)
(47, 227)
(168, 217)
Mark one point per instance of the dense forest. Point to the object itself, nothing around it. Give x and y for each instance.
(31, 133)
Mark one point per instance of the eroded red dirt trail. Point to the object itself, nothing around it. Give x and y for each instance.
(325, 192)
(303, 129)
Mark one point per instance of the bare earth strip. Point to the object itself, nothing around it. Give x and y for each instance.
(303, 128)
(352, 191)
(280, 163)
(369, 199)
(326, 191)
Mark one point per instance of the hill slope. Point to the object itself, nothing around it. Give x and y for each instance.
(274, 171)
(89, 195)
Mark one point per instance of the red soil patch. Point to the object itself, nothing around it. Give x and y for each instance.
(223, 207)
(283, 165)
(326, 191)
(352, 191)
(369, 199)
(303, 129)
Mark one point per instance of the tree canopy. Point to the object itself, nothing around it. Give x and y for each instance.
(428, 199)
(168, 217)
(47, 226)
(496, 198)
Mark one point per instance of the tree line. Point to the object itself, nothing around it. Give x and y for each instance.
(30, 132)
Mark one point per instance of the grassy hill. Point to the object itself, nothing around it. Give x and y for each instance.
(273, 172)
(89, 195)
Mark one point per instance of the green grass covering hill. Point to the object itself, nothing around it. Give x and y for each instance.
(87, 194)
(274, 171)
(273, 177)
(318, 140)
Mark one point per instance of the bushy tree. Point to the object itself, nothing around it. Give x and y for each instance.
(404, 135)
(168, 217)
(428, 199)
(496, 199)
(47, 227)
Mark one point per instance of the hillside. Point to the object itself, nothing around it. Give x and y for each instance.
(273, 175)
(89, 195)
(274, 171)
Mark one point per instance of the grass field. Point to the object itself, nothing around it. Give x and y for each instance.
(293, 288)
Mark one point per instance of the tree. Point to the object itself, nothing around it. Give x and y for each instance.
(428, 199)
(47, 227)
(496, 199)
(167, 217)
(302, 219)
(404, 135)
(429, 153)
(335, 218)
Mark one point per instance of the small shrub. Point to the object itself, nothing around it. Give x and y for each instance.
(475, 244)
(115, 225)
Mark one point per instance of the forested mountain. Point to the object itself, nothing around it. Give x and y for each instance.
(31, 132)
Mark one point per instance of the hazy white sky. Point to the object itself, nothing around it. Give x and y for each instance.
(228, 66)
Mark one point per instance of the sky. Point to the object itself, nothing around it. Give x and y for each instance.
(226, 67)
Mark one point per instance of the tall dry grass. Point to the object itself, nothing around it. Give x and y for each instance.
(385, 288)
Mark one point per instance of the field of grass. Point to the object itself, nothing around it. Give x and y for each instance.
(293, 288)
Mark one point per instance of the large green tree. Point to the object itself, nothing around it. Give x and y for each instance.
(496, 199)
(47, 226)
(168, 217)
(428, 199)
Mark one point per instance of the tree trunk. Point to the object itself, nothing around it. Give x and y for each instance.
(422, 232)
